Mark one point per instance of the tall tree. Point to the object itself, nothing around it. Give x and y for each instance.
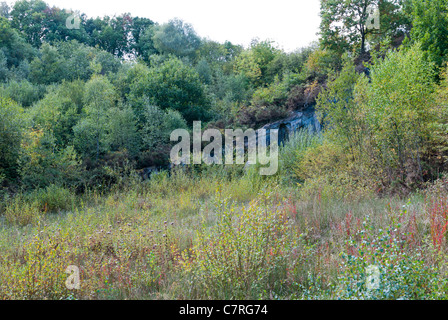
(29, 18)
(4, 10)
(90, 133)
(176, 37)
(430, 28)
(344, 24)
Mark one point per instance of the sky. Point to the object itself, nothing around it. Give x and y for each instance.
(292, 24)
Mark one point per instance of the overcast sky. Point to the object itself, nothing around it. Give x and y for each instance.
(291, 23)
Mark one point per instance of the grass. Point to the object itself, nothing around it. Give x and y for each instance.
(193, 237)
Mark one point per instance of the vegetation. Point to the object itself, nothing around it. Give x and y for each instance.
(356, 211)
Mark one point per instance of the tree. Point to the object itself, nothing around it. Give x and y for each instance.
(399, 108)
(22, 92)
(338, 110)
(3, 66)
(12, 122)
(156, 131)
(110, 33)
(255, 62)
(177, 38)
(4, 10)
(344, 22)
(56, 113)
(13, 45)
(42, 163)
(49, 68)
(29, 18)
(90, 132)
(56, 24)
(430, 28)
(385, 122)
(122, 134)
(141, 43)
(173, 85)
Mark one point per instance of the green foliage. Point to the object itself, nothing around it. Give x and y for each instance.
(177, 38)
(159, 125)
(241, 255)
(49, 68)
(274, 94)
(42, 273)
(337, 109)
(430, 28)
(21, 211)
(42, 163)
(292, 153)
(384, 122)
(12, 124)
(22, 92)
(13, 45)
(122, 132)
(343, 23)
(4, 72)
(57, 113)
(173, 85)
(90, 132)
(53, 198)
(255, 63)
(399, 111)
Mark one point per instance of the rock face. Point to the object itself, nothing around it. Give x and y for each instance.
(298, 120)
(304, 119)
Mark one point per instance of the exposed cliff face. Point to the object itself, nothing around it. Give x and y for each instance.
(304, 119)
(298, 120)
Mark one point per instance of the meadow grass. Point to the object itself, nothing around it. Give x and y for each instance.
(190, 236)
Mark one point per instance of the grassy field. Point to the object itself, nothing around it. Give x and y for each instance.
(217, 236)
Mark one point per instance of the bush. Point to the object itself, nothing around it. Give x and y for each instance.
(301, 96)
(20, 211)
(242, 255)
(292, 154)
(53, 199)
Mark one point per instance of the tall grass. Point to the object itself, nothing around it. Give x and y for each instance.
(220, 235)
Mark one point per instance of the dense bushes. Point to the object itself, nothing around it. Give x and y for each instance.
(384, 122)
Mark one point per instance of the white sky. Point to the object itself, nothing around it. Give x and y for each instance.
(291, 23)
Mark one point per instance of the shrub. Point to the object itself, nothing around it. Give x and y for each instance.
(20, 211)
(53, 198)
(292, 153)
(242, 255)
(41, 273)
